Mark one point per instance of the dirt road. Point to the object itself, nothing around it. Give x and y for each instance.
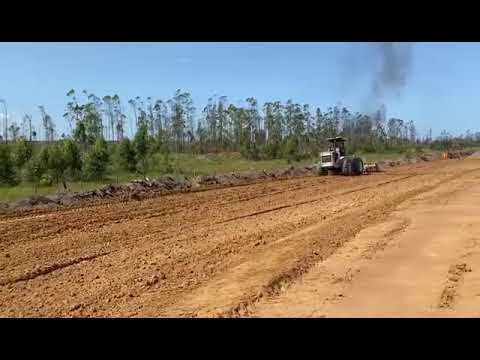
(398, 243)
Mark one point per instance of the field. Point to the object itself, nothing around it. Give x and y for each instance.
(397, 243)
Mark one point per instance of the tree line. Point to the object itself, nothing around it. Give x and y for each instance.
(97, 137)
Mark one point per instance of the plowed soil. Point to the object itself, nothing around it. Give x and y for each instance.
(315, 246)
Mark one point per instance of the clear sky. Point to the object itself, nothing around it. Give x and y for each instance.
(442, 89)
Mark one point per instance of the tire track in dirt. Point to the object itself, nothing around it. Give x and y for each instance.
(136, 238)
(63, 222)
(39, 271)
(315, 296)
(323, 198)
(357, 221)
(185, 244)
(455, 277)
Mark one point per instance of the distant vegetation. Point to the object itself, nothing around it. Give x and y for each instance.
(170, 139)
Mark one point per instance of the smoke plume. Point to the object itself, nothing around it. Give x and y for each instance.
(395, 64)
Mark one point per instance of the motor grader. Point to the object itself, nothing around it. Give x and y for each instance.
(336, 161)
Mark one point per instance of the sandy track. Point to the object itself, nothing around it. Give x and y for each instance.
(224, 252)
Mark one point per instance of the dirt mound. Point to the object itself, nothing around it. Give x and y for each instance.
(459, 154)
(427, 157)
(137, 189)
(35, 200)
(142, 189)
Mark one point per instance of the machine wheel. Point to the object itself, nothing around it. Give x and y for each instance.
(347, 167)
(357, 166)
(323, 172)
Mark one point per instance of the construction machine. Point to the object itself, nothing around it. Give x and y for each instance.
(336, 161)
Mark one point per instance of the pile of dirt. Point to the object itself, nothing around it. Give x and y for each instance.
(142, 189)
(35, 200)
(459, 154)
(137, 189)
(427, 157)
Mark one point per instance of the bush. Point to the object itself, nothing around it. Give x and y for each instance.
(167, 162)
(411, 153)
(22, 153)
(46, 180)
(141, 144)
(73, 159)
(127, 158)
(97, 160)
(291, 150)
(7, 169)
(250, 151)
(273, 150)
(58, 164)
(34, 171)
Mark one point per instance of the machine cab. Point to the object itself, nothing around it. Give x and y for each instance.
(336, 151)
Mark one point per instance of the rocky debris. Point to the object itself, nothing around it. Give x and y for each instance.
(153, 280)
(459, 154)
(427, 157)
(34, 201)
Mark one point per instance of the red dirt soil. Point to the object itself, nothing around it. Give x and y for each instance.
(222, 252)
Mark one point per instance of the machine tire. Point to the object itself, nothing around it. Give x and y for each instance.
(347, 167)
(357, 166)
(323, 172)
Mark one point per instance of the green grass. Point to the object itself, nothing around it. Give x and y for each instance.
(24, 190)
(223, 163)
(394, 155)
(183, 164)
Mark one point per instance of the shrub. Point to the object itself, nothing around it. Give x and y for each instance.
(141, 144)
(97, 160)
(7, 169)
(127, 158)
(22, 153)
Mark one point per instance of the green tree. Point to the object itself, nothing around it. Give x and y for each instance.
(292, 150)
(14, 131)
(22, 153)
(34, 170)
(80, 134)
(48, 125)
(182, 112)
(127, 156)
(7, 169)
(92, 122)
(97, 160)
(167, 162)
(58, 164)
(73, 158)
(141, 144)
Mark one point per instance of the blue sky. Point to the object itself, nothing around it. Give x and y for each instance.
(442, 90)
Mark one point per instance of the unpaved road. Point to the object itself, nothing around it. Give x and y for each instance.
(400, 243)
